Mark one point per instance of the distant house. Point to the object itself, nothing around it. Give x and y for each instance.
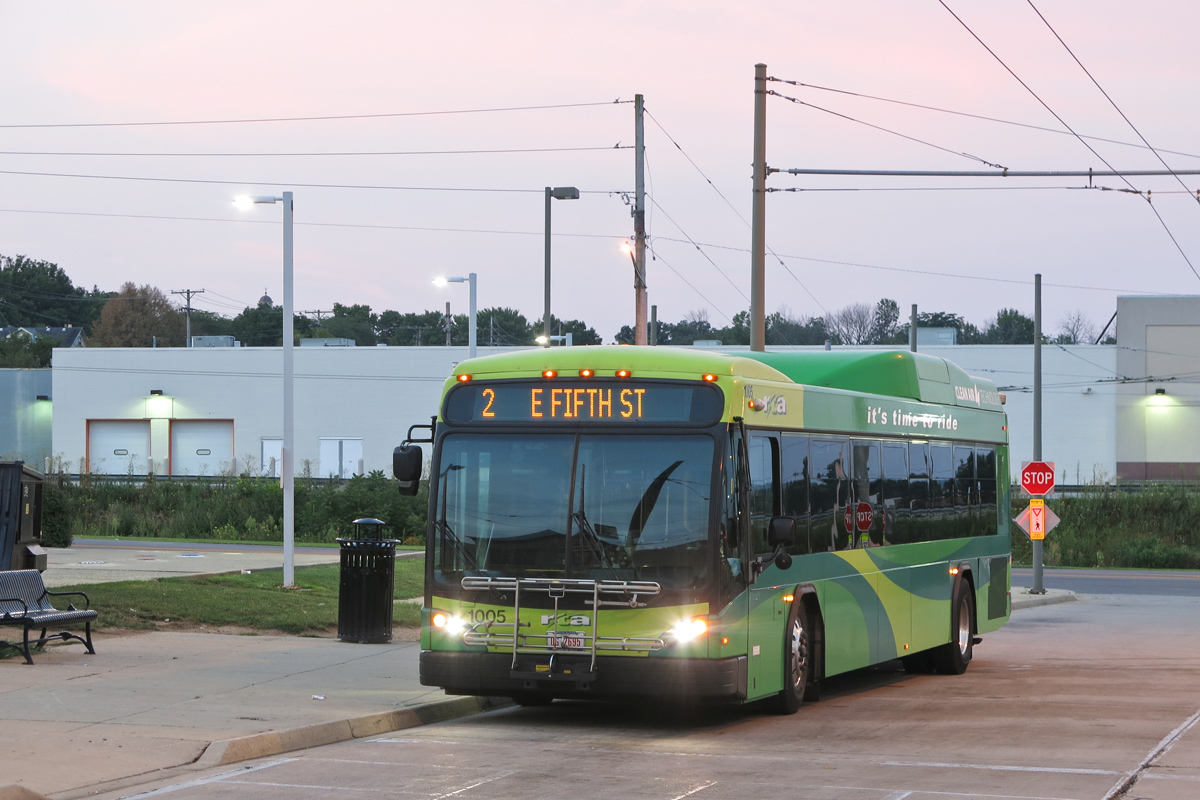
(62, 337)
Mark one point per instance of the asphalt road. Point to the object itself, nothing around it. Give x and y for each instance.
(1116, 581)
(1074, 701)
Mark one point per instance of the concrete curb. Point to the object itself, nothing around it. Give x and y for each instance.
(1023, 599)
(15, 791)
(272, 743)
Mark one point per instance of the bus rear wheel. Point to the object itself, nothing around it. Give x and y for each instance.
(797, 661)
(954, 657)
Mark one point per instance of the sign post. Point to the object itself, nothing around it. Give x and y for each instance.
(1037, 478)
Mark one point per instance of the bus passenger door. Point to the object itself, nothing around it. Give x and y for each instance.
(767, 612)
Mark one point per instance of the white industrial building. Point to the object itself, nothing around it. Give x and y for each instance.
(1126, 412)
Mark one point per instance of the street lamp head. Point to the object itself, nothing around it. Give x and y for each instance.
(444, 281)
(244, 202)
(627, 248)
(542, 340)
(564, 193)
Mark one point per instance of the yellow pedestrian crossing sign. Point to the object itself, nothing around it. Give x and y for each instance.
(1037, 520)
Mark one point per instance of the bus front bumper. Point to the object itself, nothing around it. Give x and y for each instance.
(493, 674)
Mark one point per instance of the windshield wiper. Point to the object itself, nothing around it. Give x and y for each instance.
(450, 539)
(645, 507)
(591, 540)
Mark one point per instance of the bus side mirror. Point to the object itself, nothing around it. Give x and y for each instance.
(782, 531)
(406, 467)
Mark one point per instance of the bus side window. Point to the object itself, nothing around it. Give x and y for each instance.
(733, 523)
(793, 479)
(764, 488)
(829, 492)
(868, 488)
(895, 493)
(942, 524)
(985, 470)
(966, 520)
(918, 492)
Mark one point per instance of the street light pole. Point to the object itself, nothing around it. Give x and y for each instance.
(472, 334)
(288, 455)
(557, 193)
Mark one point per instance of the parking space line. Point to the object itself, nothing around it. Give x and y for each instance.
(1003, 767)
(1131, 777)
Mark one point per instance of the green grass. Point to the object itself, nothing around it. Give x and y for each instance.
(256, 600)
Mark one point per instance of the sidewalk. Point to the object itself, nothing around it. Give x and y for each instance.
(149, 702)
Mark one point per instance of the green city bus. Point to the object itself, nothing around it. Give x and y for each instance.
(651, 521)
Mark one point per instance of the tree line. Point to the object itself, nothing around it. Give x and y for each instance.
(36, 293)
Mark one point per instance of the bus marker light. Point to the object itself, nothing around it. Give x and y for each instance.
(586, 373)
(787, 598)
(954, 570)
(623, 373)
(724, 640)
(905, 646)
(710, 377)
(549, 373)
(464, 378)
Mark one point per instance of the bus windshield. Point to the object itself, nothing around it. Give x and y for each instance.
(605, 507)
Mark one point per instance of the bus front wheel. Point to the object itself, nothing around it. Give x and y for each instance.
(797, 660)
(953, 657)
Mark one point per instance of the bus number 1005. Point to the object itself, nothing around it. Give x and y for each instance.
(479, 615)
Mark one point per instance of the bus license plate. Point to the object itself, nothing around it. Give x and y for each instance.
(566, 640)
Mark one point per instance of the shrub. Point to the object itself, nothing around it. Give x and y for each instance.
(246, 508)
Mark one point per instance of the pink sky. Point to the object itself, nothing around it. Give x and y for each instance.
(693, 62)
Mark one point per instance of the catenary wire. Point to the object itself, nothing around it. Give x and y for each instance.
(1112, 102)
(888, 131)
(981, 117)
(1063, 122)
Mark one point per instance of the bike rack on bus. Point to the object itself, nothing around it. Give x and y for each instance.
(604, 593)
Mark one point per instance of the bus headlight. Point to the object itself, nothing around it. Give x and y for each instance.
(688, 629)
(449, 623)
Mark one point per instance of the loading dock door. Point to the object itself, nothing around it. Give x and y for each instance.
(118, 446)
(201, 446)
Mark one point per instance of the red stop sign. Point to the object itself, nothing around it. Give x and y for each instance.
(864, 515)
(848, 518)
(1037, 477)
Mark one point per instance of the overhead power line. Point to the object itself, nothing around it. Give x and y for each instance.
(306, 119)
(309, 224)
(617, 146)
(290, 183)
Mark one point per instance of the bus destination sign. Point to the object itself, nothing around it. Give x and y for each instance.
(580, 402)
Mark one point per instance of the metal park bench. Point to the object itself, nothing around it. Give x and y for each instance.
(25, 601)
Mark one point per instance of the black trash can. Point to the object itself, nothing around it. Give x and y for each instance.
(21, 517)
(366, 585)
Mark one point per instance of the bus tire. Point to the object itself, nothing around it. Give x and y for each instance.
(531, 700)
(953, 657)
(797, 660)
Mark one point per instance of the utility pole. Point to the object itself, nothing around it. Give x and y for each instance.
(449, 323)
(1038, 586)
(912, 329)
(320, 315)
(640, 335)
(758, 229)
(187, 293)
